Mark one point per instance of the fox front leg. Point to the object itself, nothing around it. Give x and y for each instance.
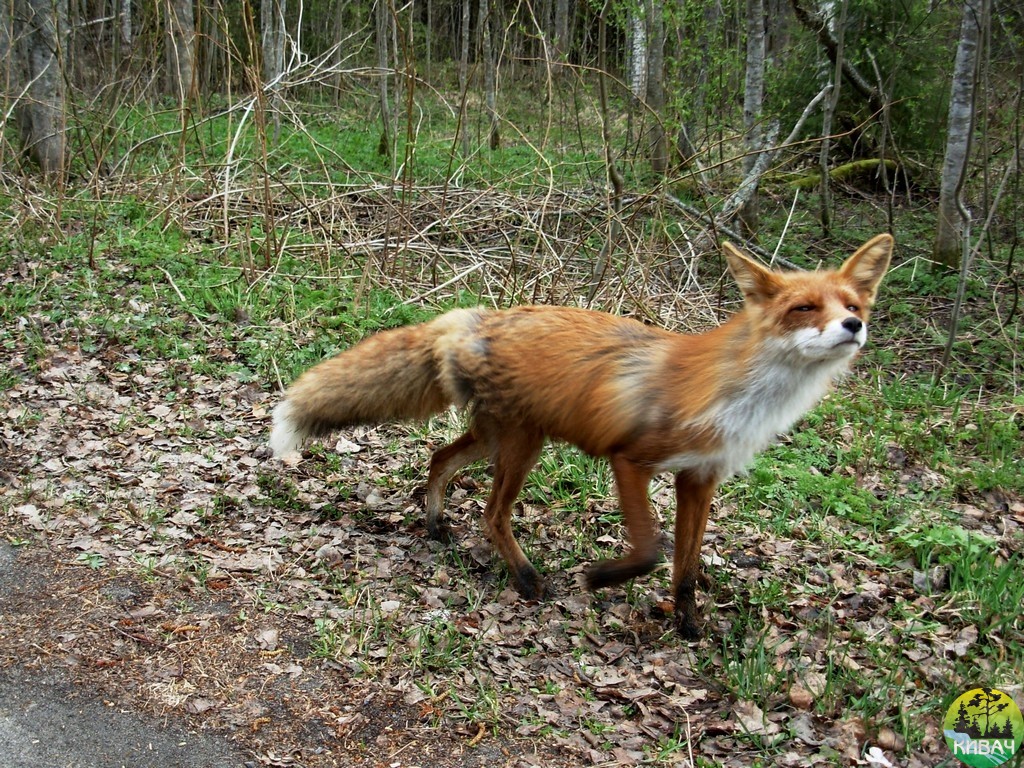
(693, 503)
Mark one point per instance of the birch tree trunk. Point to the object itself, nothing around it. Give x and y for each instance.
(637, 54)
(636, 64)
(126, 24)
(753, 104)
(38, 27)
(180, 50)
(959, 127)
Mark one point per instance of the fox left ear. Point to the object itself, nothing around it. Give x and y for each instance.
(868, 265)
(758, 283)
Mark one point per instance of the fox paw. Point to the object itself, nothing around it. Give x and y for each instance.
(609, 573)
(687, 627)
(529, 583)
(439, 530)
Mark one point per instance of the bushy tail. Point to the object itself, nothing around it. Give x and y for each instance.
(391, 376)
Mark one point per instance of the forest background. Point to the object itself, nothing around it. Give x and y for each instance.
(199, 200)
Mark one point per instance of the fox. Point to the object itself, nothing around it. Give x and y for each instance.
(647, 399)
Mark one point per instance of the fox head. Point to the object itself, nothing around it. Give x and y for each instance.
(816, 316)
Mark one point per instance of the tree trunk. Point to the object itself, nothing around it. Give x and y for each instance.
(814, 23)
(126, 24)
(6, 71)
(272, 41)
(39, 27)
(490, 75)
(181, 40)
(8, 81)
(753, 104)
(636, 66)
(464, 79)
(383, 20)
(960, 126)
(561, 47)
(826, 123)
(656, 86)
(637, 54)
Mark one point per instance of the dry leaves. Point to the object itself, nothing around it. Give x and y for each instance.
(317, 576)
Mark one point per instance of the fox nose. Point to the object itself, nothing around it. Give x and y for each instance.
(853, 325)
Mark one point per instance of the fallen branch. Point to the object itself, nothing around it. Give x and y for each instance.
(843, 173)
(749, 185)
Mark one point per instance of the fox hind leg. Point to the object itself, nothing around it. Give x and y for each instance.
(514, 450)
(443, 465)
(632, 481)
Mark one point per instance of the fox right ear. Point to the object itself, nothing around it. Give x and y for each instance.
(757, 282)
(868, 265)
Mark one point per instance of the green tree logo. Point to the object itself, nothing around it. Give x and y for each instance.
(983, 727)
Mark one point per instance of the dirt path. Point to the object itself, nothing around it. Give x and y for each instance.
(86, 683)
(49, 721)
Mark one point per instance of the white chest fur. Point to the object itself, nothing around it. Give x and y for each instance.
(775, 394)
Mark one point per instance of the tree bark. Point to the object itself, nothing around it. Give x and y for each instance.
(6, 71)
(181, 53)
(829, 113)
(635, 65)
(464, 78)
(126, 23)
(959, 128)
(637, 54)
(753, 105)
(39, 27)
(656, 86)
(561, 45)
(383, 21)
(490, 75)
(273, 44)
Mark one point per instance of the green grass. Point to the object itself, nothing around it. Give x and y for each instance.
(339, 145)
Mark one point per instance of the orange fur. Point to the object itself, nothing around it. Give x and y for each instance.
(649, 400)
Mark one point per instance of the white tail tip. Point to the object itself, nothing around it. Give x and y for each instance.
(285, 439)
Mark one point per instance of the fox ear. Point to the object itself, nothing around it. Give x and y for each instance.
(758, 283)
(868, 265)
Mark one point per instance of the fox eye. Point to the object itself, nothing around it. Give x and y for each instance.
(804, 308)
(853, 308)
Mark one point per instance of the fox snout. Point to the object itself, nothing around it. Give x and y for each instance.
(853, 325)
(855, 329)
(845, 336)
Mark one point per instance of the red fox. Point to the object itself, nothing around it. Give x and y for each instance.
(700, 406)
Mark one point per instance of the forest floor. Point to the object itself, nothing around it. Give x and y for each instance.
(73, 695)
(159, 562)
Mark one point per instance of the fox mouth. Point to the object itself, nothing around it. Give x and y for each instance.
(841, 349)
(847, 345)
